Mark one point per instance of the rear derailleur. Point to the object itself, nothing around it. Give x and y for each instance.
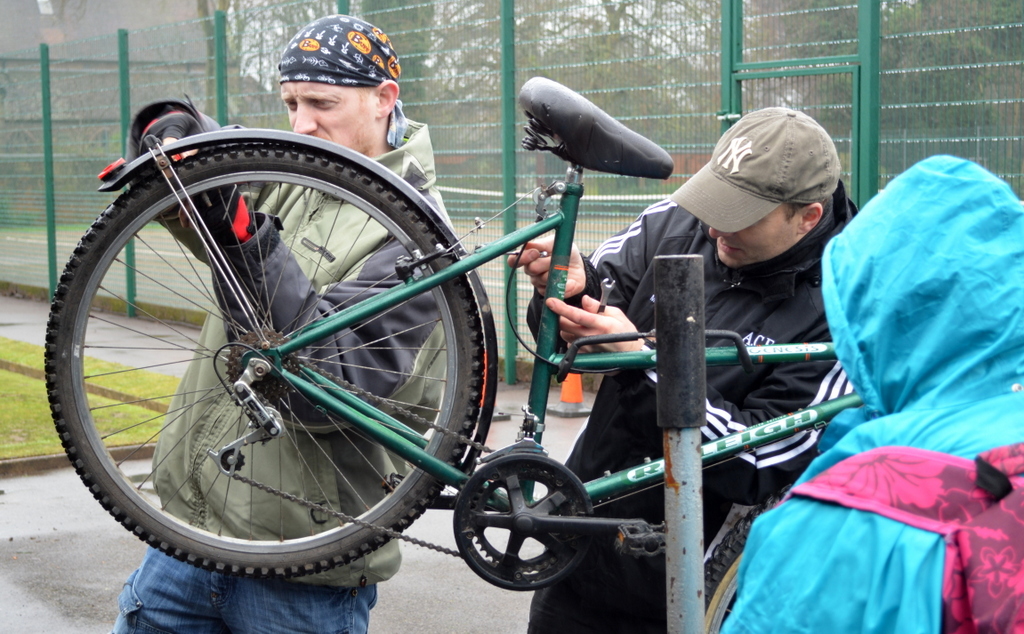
(264, 421)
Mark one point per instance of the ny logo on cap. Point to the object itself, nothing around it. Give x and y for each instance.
(739, 149)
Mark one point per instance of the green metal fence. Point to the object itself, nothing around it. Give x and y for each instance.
(892, 82)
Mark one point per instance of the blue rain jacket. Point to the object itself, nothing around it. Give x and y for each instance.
(924, 293)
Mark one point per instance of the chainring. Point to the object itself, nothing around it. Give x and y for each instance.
(508, 487)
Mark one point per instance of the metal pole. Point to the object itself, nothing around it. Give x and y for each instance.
(679, 319)
(125, 88)
(51, 205)
(868, 49)
(220, 24)
(732, 54)
(508, 162)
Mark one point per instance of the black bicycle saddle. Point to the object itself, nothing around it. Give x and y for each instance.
(586, 135)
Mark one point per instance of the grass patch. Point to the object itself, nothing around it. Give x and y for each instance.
(26, 426)
(21, 353)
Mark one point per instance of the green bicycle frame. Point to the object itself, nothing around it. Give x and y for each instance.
(410, 444)
(653, 473)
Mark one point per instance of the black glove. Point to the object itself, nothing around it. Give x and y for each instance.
(226, 215)
(168, 118)
(173, 124)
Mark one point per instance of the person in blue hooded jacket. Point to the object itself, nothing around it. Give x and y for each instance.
(924, 297)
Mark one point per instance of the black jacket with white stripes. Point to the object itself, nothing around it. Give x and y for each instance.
(777, 301)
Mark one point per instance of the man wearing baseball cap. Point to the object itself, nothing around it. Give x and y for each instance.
(759, 213)
(339, 83)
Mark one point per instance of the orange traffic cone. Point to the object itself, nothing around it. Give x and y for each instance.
(570, 404)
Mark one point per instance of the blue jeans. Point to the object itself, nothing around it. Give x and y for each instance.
(167, 596)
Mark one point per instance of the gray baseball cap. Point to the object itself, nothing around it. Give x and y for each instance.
(769, 157)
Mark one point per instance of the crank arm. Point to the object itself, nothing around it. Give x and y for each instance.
(531, 525)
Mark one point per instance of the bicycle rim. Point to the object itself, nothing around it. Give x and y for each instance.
(129, 372)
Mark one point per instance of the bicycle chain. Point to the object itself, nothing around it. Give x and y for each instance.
(390, 532)
(395, 409)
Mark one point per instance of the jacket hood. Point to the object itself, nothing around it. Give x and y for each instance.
(923, 290)
(414, 160)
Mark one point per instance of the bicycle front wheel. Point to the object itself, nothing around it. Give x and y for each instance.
(143, 340)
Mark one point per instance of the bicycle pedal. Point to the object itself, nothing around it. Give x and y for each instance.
(640, 539)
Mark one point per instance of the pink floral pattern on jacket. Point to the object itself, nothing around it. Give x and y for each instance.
(983, 588)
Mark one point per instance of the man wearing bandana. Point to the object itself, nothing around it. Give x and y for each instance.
(339, 83)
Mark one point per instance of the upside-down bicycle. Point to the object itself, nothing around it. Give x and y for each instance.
(521, 519)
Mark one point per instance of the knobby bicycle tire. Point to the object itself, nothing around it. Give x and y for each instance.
(720, 577)
(721, 572)
(119, 339)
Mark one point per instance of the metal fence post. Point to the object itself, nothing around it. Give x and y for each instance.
(508, 162)
(51, 206)
(732, 54)
(679, 319)
(869, 43)
(125, 88)
(220, 29)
